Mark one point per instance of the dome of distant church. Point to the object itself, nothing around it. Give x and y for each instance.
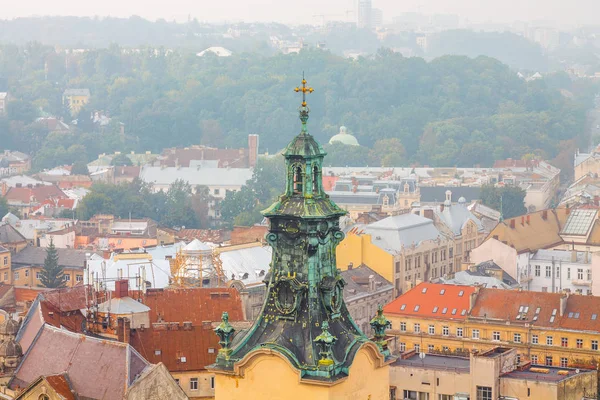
(10, 348)
(9, 327)
(344, 138)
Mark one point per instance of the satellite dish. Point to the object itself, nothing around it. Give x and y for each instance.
(421, 355)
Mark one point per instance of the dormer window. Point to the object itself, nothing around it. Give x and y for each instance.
(297, 179)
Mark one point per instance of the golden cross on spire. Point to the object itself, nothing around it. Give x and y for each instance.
(304, 90)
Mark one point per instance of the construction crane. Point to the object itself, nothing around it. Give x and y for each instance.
(197, 269)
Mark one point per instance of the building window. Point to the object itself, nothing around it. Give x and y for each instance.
(534, 339)
(564, 342)
(558, 272)
(66, 277)
(445, 331)
(212, 382)
(430, 348)
(580, 273)
(534, 359)
(16, 275)
(431, 329)
(537, 270)
(549, 340)
(217, 192)
(496, 335)
(38, 275)
(6, 276)
(475, 333)
(402, 347)
(517, 338)
(6, 260)
(548, 271)
(26, 273)
(594, 345)
(177, 381)
(549, 360)
(194, 384)
(417, 347)
(79, 278)
(402, 326)
(397, 266)
(564, 362)
(484, 393)
(459, 332)
(589, 274)
(417, 328)
(579, 343)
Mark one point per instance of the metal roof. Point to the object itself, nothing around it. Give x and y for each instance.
(456, 216)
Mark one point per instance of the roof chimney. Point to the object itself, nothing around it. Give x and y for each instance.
(512, 224)
(527, 219)
(121, 288)
(473, 299)
(522, 220)
(442, 207)
(120, 330)
(573, 255)
(126, 330)
(563, 303)
(545, 214)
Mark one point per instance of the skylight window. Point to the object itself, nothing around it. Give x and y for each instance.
(402, 307)
(554, 312)
(576, 315)
(535, 317)
(435, 309)
(463, 312)
(521, 309)
(416, 308)
(424, 290)
(552, 318)
(594, 316)
(460, 294)
(454, 311)
(444, 310)
(570, 315)
(537, 310)
(442, 292)
(526, 310)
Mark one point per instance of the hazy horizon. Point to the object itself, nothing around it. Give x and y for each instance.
(578, 12)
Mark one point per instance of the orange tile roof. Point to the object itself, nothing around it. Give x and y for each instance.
(581, 312)
(540, 233)
(27, 294)
(433, 300)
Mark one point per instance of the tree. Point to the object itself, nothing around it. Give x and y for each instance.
(3, 207)
(79, 168)
(513, 199)
(121, 160)
(52, 275)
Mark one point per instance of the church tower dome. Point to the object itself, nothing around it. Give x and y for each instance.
(304, 320)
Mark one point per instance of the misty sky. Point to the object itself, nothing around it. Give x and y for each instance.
(561, 12)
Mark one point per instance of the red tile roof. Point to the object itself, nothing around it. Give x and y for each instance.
(33, 194)
(204, 235)
(433, 300)
(67, 299)
(196, 305)
(61, 385)
(198, 343)
(329, 182)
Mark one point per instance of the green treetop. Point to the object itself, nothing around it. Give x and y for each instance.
(52, 274)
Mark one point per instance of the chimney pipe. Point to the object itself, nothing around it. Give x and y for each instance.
(522, 220)
(120, 330)
(512, 224)
(545, 215)
(527, 219)
(563, 303)
(126, 330)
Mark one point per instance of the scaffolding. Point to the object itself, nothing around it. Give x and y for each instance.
(197, 268)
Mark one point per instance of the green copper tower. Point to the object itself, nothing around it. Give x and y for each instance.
(304, 317)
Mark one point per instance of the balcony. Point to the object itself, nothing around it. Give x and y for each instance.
(581, 282)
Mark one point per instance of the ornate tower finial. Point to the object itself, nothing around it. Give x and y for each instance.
(326, 340)
(304, 110)
(379, 324)
(225, 332)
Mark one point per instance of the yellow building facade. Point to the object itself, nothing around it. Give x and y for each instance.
(267, 375)
(558, 343)
(30, 276)
(76, 99)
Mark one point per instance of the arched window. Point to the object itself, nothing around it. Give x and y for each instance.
(315, 179)
(297, 179)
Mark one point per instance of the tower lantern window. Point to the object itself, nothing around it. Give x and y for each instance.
(297, 179)
(315, 179)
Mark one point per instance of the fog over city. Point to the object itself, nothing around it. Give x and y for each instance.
(559, 12)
